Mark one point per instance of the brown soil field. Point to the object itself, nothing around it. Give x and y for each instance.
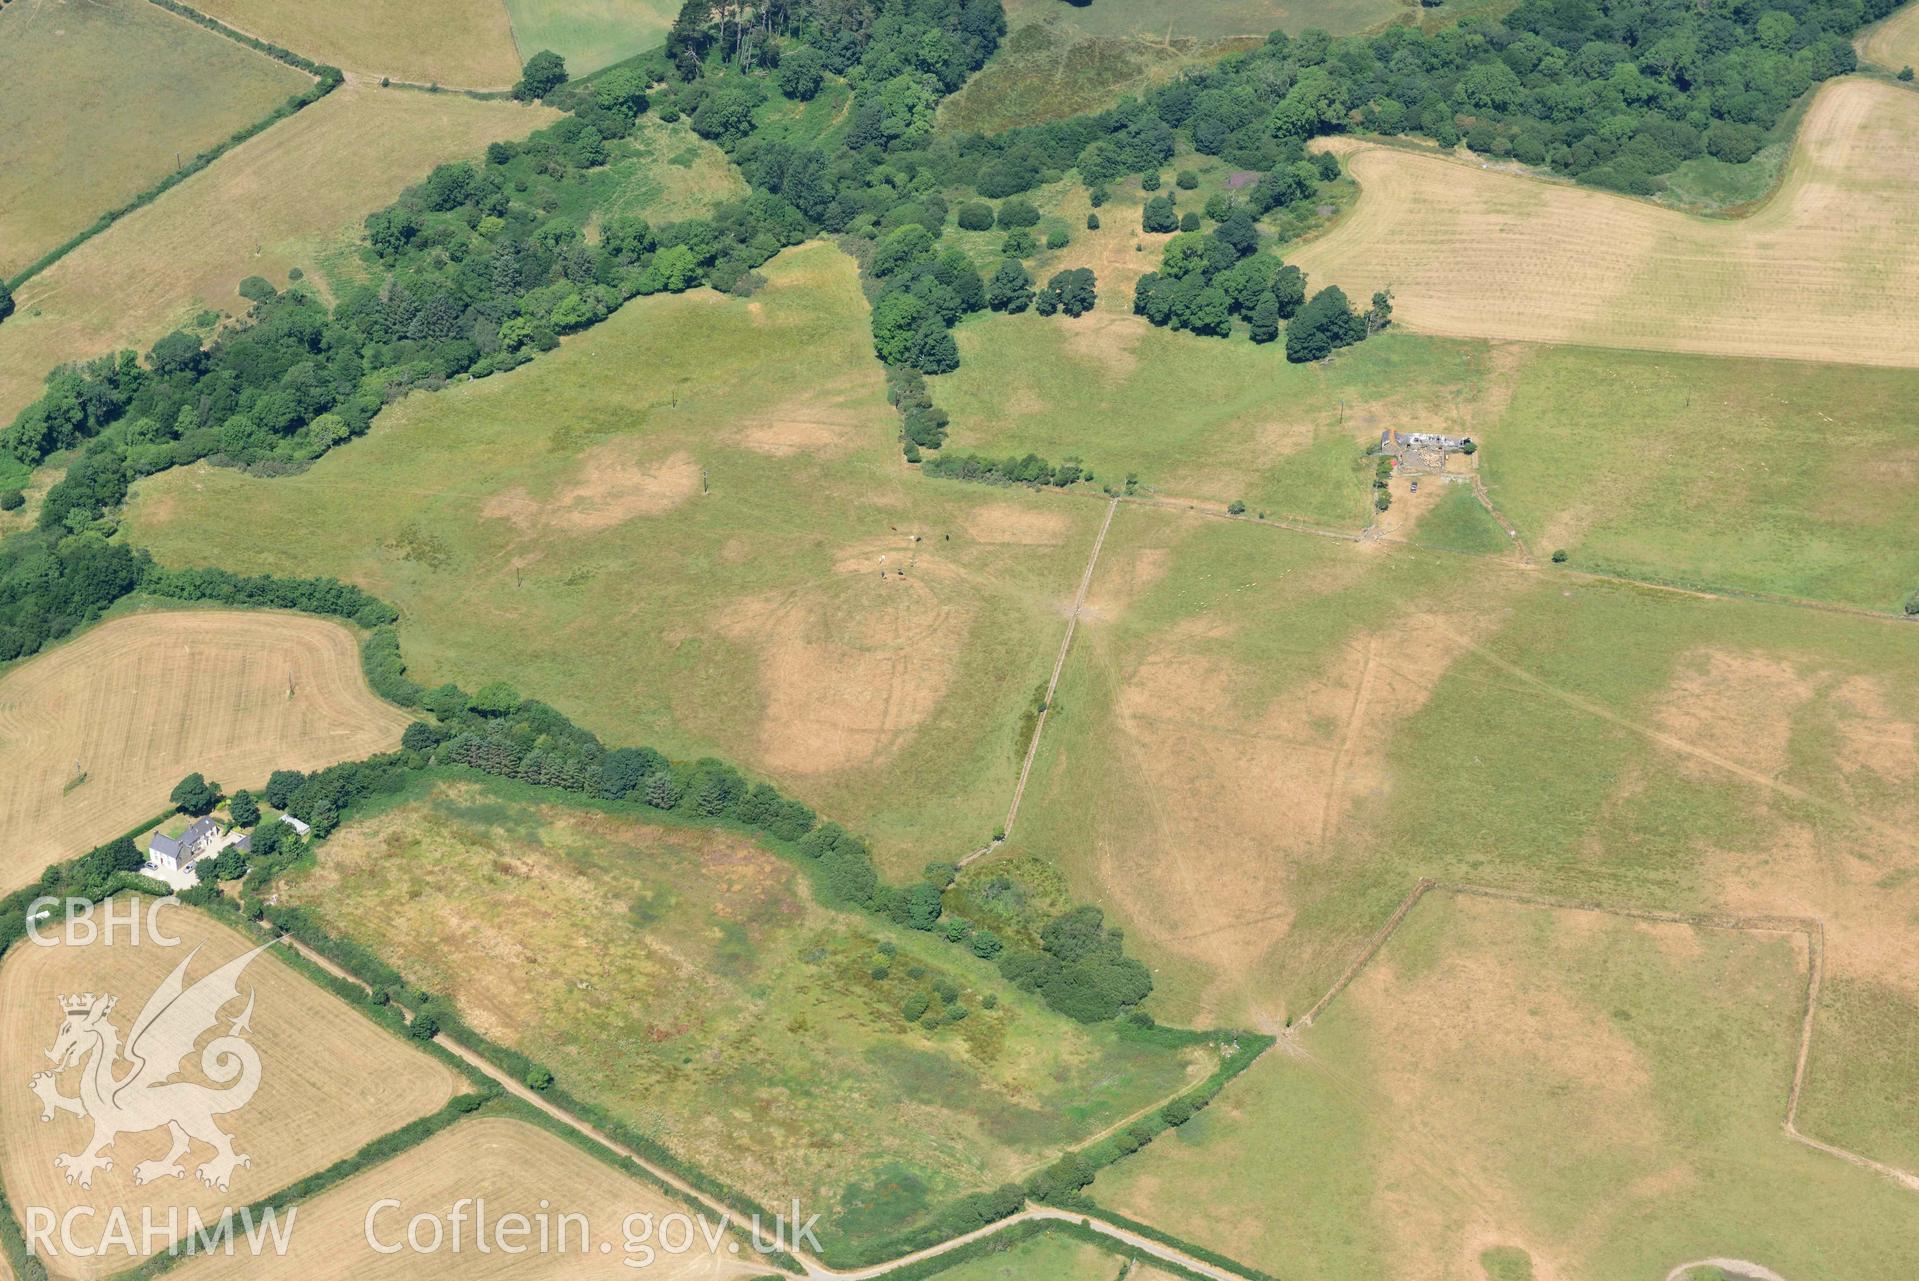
(283, 199)
(329, 1080)
(1894, 43)
(1818, 271)
(463, 43)
(139, 702)
(849, 673)
(103, 98)
(1601, 1092)
(518, 1168)
(1231, 756)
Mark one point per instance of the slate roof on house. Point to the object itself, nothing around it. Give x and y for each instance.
(172, 847)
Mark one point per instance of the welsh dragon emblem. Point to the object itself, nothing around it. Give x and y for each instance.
(130, 1090)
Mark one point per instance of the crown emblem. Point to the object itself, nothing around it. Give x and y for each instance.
(81, 1004)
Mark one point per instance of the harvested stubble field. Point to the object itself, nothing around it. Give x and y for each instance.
(464, 43)
(288, 197)
(1319, 724)
(1818, 272)
(549, 527)
(518, 1168)
(103, 98)
(685, 979)
(1602, 1094)
(590, 34)
(330, 1081)
(1894, 43)
(138, 702)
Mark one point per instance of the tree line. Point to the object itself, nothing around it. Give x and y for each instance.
(1074, 962)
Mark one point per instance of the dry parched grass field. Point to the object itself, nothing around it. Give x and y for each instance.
(456, 43)
(329, 1082)
(1319, 724)
(103, 98)
(137, 703)
(1599, 1095)
(286, 198)
(517, 1168)
(690, 528)
(1821, 270)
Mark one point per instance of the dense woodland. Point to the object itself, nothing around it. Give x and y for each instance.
(485, 263)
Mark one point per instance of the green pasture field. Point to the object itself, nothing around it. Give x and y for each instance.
(1219, 419)
(102, 99)
(1597, 1097)
(549, 527)
(1214, 20)
(589, 34)
(1049, 1256)
(1063, 60)
(1765, 476)
(818, 122)
(1051, 70)
(1319, 724)
(685, 979)
(1458, 523)
(1212, 418)
(664, 172)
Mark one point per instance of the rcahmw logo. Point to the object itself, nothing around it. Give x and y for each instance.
(127, 1088)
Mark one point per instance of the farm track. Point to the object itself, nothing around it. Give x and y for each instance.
(1052, 684)
(1811, 928)
(813, 1267)
(1217, 511)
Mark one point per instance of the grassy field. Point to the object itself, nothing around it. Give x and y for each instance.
(1470, 251)
(1053, 69)
(102, 99)
(550, 528)
(1599, 1095)
(1894, 43)
(1059, 60)
(1214, 20)
(329, 1081)
(663, 172)
(1319, 724)
(94, 734)
(293, 196)
(519, 1169)
(1206, 417)
(589, 34)
(1767, 476)
(1050, 1256)
(685, 979)
(464, 43)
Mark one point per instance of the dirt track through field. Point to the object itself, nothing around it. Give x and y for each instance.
(1818, 271)
(813, 1268)
(1811, 929)
(1052, 683)
(1686, 748)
